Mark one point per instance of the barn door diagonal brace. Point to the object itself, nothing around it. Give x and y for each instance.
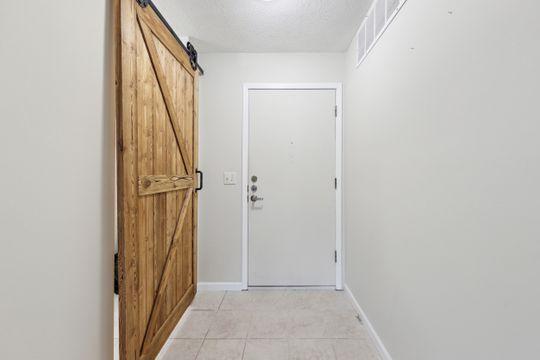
(188, 48)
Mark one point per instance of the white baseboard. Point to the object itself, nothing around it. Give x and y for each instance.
(219, 286)
(273, 288)
(383, 353)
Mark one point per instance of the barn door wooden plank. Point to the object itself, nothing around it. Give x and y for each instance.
(166, 272)
(148, 37)
(168, 41)
(157, 158)
(126, 60)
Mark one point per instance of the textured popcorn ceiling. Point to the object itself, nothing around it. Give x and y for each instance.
(266, 26)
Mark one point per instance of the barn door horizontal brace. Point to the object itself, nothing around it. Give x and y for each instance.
(188, 48)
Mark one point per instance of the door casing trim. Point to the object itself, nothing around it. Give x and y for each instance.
(338, 87)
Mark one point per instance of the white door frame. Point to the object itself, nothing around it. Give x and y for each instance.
(338, 87)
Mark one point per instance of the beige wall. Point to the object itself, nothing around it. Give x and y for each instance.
(442, 174)
(220, 235)
(56, 148)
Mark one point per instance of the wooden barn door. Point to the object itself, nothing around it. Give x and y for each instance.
(157, 160)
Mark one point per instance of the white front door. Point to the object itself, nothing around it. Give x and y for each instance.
(292, 167)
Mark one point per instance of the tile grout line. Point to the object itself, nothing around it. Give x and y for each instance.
(334, 349)
(288, 349)
(221, 302)
(199, 351)
(208, 330)
(244, 350)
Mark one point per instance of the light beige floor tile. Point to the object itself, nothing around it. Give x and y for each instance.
(182, 349)
(343, 325)
(333, 301)
(253, 300)
(266, 350)
(270, 325)
(194, 325)
(230, 324)
(299, 300)
(221, 350)
(309, 319)
(236, 300)
(311, 350)
(207, 300)
(317, 300)
(266, 300)
(354, 350)
(307, 324)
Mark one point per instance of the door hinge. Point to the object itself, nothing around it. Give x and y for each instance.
(335, 256)
(335, 183)
(335, 111)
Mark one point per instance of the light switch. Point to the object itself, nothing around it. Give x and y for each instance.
(229, 178)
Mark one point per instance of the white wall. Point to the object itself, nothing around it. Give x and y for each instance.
(442, 174)
(220, 230)
(56, 148)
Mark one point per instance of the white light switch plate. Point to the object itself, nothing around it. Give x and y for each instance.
(229, 178)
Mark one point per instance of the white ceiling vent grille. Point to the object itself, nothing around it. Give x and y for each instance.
(391, 7)
(379, 16)
(362, 48)
(370, 30)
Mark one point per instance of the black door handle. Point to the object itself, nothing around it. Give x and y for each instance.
(201, 177)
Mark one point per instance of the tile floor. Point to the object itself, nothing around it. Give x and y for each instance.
(270, 325)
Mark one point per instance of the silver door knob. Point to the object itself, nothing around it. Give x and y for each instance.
(255, 198)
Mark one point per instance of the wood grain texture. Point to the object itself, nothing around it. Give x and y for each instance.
(150, 18)
(162, 81)
(157, 157)
(166, 272)
(155, 184)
